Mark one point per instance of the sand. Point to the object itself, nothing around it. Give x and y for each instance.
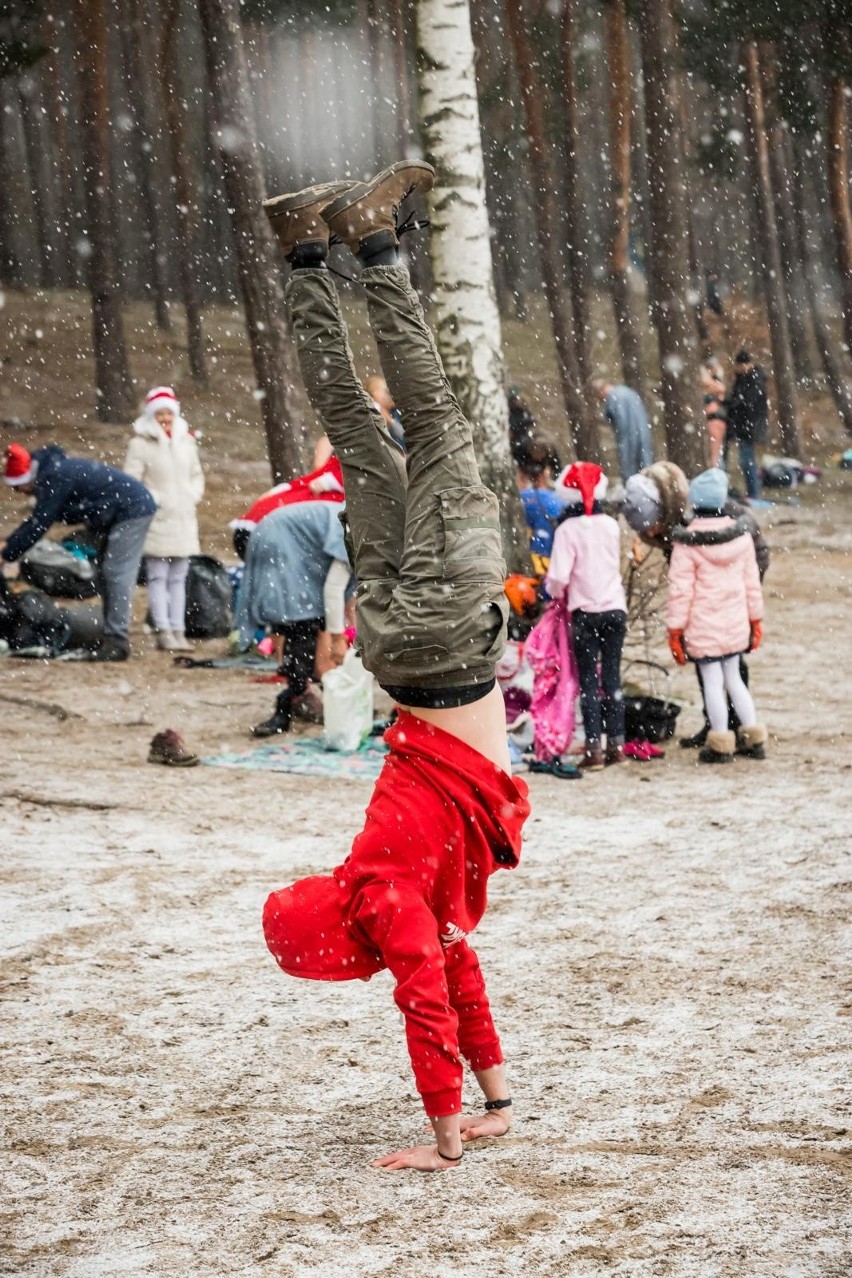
(669, 969)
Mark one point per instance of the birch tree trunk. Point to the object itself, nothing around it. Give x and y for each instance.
(773, 268)
(260, 282)
(467, 321)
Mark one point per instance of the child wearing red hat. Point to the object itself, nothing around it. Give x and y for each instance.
(585, 569)
(446, 812)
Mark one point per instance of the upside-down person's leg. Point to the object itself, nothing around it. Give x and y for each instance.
(373, 469)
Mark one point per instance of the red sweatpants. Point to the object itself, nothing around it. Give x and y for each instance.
(315, 930)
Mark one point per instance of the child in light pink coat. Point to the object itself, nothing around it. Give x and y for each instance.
(714, 614)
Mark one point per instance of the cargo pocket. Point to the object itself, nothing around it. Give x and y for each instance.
(472, 546)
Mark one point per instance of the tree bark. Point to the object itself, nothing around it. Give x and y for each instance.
(773, 269)
(112, 374)
(796, 303)
(837, 148)
(467, 322)
(620, 112)
(830, 355)
(669, 257)
(67, 266)
(38, 149)
(187, 190)
(147, 109)
(255, 245)
(584, 432)
(577, 230)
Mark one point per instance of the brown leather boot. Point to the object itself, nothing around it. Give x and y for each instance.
(593, 759)
(614, 753)
(368, 207)
(169, 748)
(296, 217)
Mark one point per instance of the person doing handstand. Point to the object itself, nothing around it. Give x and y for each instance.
(431, 620)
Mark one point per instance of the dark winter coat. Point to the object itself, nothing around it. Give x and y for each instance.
(743, 515)
(748, 407)
(69, 490)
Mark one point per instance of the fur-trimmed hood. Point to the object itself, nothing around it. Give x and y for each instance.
(711, 531)
(150, 428)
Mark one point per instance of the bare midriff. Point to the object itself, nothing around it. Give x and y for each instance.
(481, 725)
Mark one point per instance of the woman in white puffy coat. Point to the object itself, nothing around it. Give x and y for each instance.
(163, 455)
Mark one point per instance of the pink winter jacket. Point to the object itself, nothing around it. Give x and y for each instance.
(714, 587)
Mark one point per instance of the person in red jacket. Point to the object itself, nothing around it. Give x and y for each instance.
(446, 812)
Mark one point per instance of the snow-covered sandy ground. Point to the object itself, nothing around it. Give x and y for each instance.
(670, 969)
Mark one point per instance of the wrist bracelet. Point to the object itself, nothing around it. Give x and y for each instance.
(446, 1157)
(498, 1104)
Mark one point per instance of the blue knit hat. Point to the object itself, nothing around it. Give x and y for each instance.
(709, 490)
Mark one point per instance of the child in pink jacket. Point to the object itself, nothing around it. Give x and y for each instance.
(714, 612)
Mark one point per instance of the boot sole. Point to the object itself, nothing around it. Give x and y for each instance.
(357, 193)
(175, 763)
(297, 201)
(715, 758)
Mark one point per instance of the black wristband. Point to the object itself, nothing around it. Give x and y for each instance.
(500, 1104)
(447, 1159)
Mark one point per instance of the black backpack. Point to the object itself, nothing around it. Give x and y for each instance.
(32, 620)
(208, 599)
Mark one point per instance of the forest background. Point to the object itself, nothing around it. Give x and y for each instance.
(611, 155)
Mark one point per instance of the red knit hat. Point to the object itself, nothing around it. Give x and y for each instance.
(20, 467)
(161, 397)
(582, 481)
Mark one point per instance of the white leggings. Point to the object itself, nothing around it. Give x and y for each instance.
(722, 679)
(167, 592)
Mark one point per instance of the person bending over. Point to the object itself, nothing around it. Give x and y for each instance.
(431, 618)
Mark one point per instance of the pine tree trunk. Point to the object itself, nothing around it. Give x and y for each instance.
(38, 150)
(466, 319)
(11, 275)
(67, 274)
(405, 133)
(837, 148)
(669, 258)
(584, 432)
(577, 231)
(112, 374)
(830, 356)
(187, 189)
(626, 319)
(773, 272)
(796, 304)
(255, 246)
(147, 109)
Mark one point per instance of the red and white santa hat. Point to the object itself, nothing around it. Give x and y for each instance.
(582, 482)
(161, 397)
(20, 467)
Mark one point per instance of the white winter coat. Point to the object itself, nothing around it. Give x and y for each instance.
(170, 469)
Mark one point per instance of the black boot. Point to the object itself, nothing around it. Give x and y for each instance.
(111, 649)
(696, 742)
(280, 721)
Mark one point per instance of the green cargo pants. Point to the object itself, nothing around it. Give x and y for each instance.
(431, 610)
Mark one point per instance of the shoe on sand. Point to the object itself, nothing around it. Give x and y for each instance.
(168, 747)
(368, 207)
(555, 768)
(719, 748)
(296, 217)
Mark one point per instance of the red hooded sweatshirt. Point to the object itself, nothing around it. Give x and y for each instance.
(441, 820)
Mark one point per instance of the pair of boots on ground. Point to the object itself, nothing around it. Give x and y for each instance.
(720, 747)
(365, 217)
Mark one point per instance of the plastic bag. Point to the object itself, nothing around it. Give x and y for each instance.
(55, 570)
(347, 704)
